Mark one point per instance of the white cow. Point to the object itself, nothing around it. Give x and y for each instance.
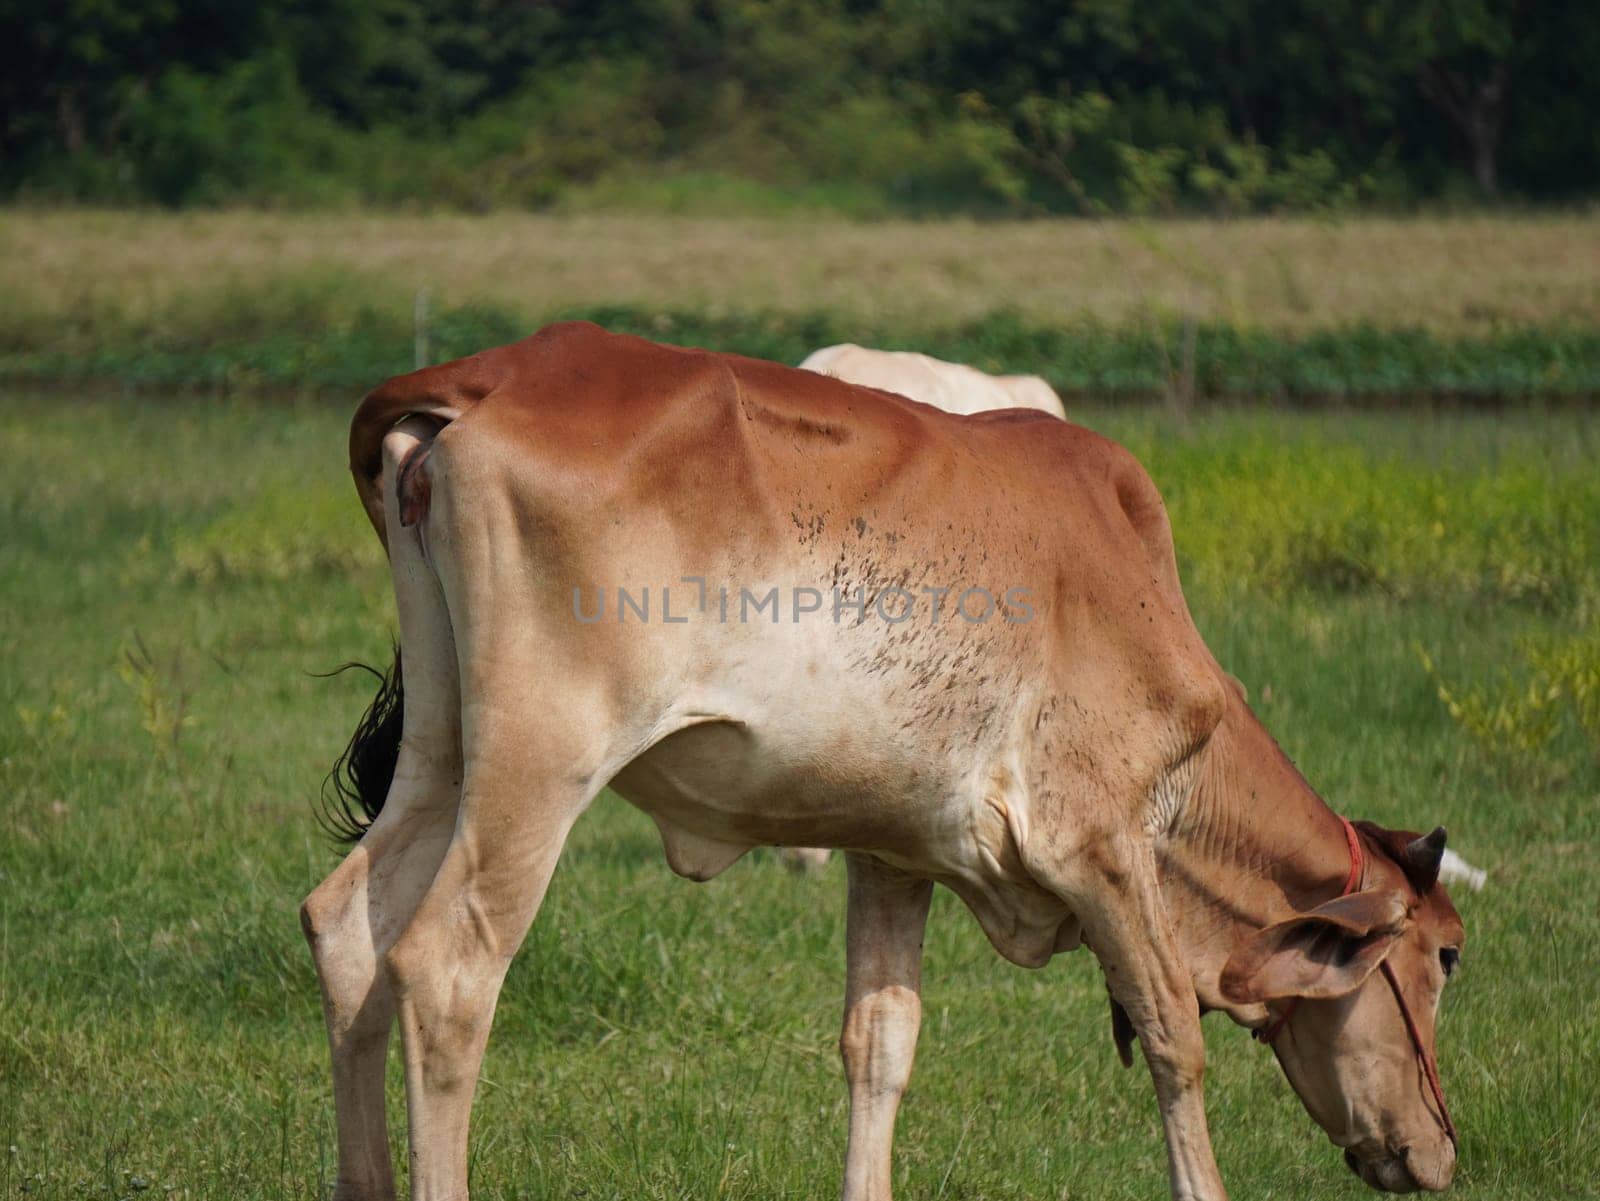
(953, 387)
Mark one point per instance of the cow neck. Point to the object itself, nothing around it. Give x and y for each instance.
(1254, 845)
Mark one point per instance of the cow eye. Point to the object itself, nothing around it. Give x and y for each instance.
(1448, 958)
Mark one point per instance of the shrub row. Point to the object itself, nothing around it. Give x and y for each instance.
(1080, 358)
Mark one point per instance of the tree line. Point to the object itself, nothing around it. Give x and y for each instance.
(866, 106)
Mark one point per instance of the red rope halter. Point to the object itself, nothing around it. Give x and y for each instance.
(1430, 1069)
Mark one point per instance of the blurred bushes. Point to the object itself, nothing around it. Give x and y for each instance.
(887, 106)
(1253, 513)
(285, 532)
(203, 139)
(1518, 714)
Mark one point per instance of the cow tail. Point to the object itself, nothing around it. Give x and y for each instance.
(354, 791)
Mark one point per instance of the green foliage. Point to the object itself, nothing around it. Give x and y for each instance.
(198, 138)
(1247, 179)
(916, 162)
(288, 531)
(891, 106)
(1086, 145)
(1524, 709)
(567, 128)
(162, 697)
(1281, 520)
(1150, 178)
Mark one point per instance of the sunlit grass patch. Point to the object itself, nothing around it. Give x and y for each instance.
(284, 531)
(1525, 707)
(1333, 517)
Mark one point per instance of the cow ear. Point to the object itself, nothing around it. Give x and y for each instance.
(1326, 952)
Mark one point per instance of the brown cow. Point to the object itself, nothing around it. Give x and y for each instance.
(1012, 702)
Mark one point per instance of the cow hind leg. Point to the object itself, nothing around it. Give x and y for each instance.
(353, 918)
(883, 1009)
(533, 761)
(805, 860)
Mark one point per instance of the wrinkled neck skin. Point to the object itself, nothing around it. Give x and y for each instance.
(1254, 845)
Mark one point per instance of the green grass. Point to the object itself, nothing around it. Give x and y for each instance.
(158, 1011)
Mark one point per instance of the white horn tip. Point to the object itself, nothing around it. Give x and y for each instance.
(1453, 869)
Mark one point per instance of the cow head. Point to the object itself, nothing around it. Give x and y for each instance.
(1347, 1048)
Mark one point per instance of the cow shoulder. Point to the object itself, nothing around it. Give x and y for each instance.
(1144, 614)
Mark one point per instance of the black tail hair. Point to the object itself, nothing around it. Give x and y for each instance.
(354, 791)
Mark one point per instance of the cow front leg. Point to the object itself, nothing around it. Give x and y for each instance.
(1115, 892)
(883, 1009)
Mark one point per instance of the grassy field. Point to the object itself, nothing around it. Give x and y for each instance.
(173, 570)
(1485, 307)
(1450, 275)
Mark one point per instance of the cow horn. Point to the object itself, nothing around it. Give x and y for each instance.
(1423, 856)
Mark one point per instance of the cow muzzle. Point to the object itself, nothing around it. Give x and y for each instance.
(1411, 1170)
